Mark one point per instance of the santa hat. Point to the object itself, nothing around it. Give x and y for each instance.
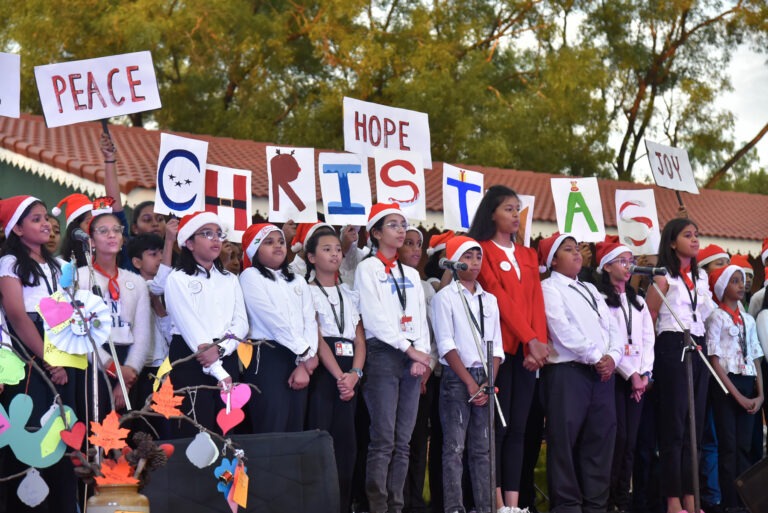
(459, 245)
(190, 223)
(75, 205)
(607, 252)
(303, 232)
(437, 242)
(416, 230)
(710, 254)
(252, 239)
(11, 210)
(719, 278)
(612, 238)
(380, 211)
(548, 247)
(743, 262)
(764, 254)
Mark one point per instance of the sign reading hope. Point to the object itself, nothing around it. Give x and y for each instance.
(72, 92)
(370, 127)
(671, 167)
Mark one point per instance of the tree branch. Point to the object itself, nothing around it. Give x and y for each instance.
(720, 173)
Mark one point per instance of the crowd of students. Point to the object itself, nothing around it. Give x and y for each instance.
(584, 348)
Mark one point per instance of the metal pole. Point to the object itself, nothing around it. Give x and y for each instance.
(491, 422)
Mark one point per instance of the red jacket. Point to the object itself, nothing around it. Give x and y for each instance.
(521, 302)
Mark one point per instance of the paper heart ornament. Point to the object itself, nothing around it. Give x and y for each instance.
(239, 395)
(227, 421)
(74, 436)
(202, 452)
(55, 312)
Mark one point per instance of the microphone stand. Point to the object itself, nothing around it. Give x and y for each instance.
(490, 389)
(688, 350)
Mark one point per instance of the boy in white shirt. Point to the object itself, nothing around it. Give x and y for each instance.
(464, 402)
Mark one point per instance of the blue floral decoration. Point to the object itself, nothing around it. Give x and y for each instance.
(225, 475)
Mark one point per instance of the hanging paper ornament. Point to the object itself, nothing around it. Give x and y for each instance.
(11, 368)
(33, 489)
(227, 421)
(225, 474)
(67, 275)
(67, 329)
(202, 452)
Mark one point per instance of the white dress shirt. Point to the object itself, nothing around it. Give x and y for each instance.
(280, 310)
(325, 306)
(206, 308)
(130, 314)
(454, 329)
(578, 322)
(510, 252)
(723, 342)
(762, 330)
(638, 356)
(32, 295)
(381, 309)
(678, 298)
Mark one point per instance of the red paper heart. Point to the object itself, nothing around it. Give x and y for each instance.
(55, 312)
(74, 436)
(227, 422)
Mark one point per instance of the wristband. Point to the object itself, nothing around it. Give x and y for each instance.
(110, 161)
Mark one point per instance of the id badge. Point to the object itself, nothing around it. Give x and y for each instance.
(406, 324)
(344, 349)
(631, 350)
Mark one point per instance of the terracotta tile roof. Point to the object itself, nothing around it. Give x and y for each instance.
(74, 149)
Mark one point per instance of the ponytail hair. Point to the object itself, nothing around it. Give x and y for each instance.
(310, 246)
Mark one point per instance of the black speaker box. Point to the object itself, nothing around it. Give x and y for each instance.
(753, 487)
(286, 471)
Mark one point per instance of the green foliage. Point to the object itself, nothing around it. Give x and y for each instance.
(558, 86)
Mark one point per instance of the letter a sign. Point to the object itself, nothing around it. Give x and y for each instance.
(578, 207)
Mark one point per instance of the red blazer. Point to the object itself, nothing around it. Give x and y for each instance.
(521, 302)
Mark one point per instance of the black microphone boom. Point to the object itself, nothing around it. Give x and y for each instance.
(452, 265)
(80, 235)
(648, 271)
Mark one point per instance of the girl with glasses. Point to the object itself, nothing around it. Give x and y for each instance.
(205, 304)
(397, 355)
(635, 326)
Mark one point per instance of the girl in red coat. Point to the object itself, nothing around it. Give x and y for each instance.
(510, 272)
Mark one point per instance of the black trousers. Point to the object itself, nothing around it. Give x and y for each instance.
(278, 408)
(670, 375)
(534, 431)
(516, 385)
(426, 444)
(581, 431)
(627, 424)
(205, 404)
(327, 412)
(60, 477)
(734, 436)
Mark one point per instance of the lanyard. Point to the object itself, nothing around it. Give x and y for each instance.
(479, 327)
(627, 318)
(45, 278)
(400, 294)
(743, 339)
(591, 301)
(693, 297)
(339, 323)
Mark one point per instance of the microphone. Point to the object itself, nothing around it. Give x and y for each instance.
(452, 265)
(648, 271)
(80, 235)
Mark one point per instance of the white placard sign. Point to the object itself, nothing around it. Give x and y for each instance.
(180, 179)
(462, 192)
(292, 195)
(579, 209)
(71, 92)
(670, 167)
(346, 188)
(400, 179)
(228, 195)
(10, 85)
(637, 220)
(369, 127)
(526, 219)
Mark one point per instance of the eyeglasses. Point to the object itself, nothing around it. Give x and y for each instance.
(624, 262)
(394, 225)
(211, 235)
(106, 230)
